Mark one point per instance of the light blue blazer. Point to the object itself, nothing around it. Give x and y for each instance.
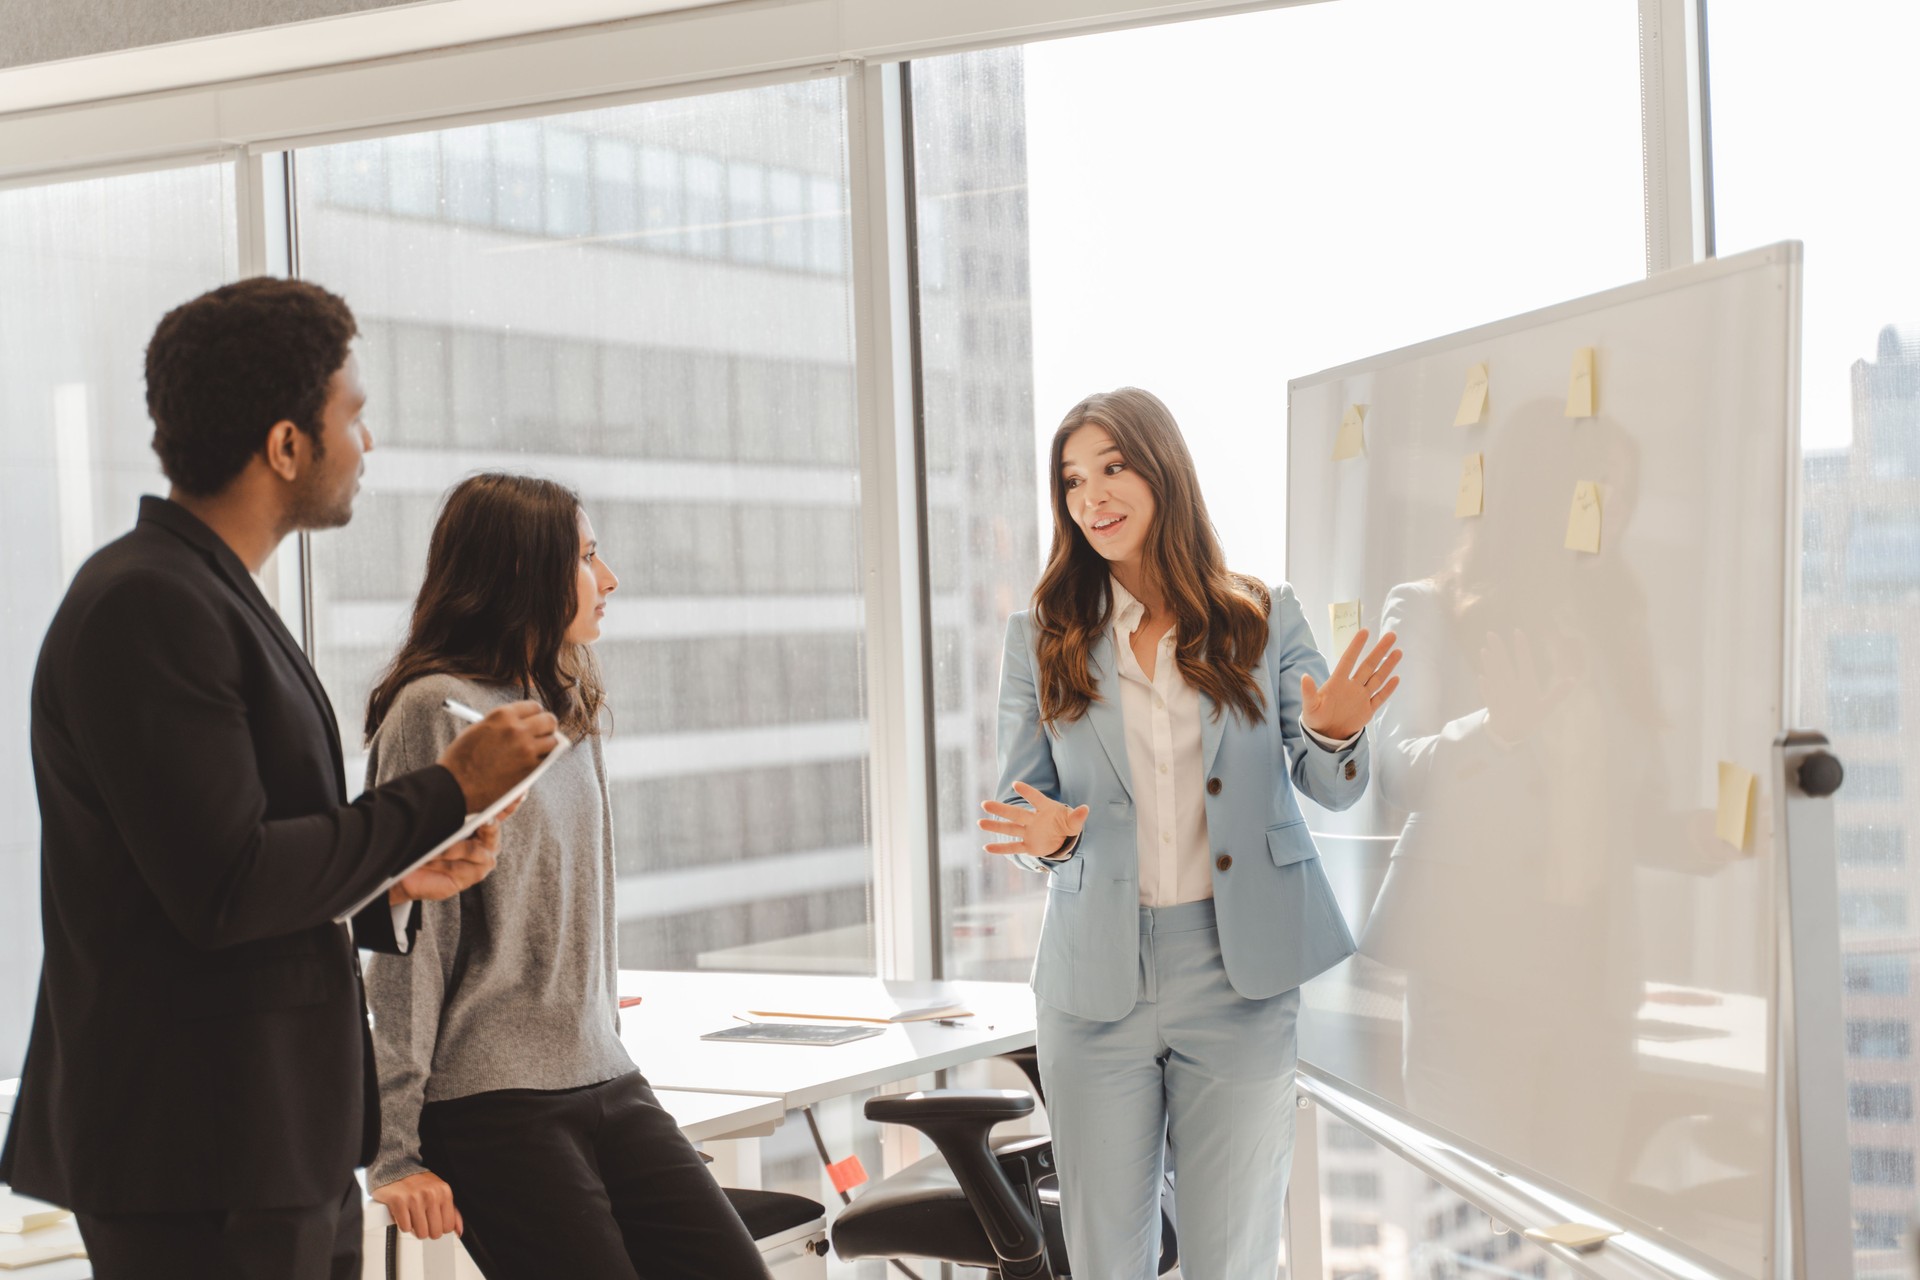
(1279, 923)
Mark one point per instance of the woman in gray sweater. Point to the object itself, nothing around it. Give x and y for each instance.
(510, 1112)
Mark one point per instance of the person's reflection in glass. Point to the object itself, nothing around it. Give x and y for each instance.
(1521, 749)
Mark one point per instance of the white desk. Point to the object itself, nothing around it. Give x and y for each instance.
(709, 1117)
(64, 1234)
(663, 1033)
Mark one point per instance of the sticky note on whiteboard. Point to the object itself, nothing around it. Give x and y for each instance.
(1580, 397)
(1346, 624)
(1351, 442)
(1470, 496)
(1583, 519)
(1473, 400)
(1731, 817)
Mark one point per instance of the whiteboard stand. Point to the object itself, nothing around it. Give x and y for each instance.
(1813, 1236)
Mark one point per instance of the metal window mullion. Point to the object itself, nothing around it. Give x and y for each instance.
(1304, 1210)
(1673, 132)
(264, 210)
(896, 673)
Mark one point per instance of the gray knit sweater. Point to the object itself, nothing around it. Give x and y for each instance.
(512, 984)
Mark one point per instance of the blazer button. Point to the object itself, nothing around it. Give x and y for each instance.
(1224, 861)
(1352, 770)
(1213, 786)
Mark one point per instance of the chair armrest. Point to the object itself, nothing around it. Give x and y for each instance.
(959, 1122)
(986, 1107)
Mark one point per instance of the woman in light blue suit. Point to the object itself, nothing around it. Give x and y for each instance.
(1157, 714)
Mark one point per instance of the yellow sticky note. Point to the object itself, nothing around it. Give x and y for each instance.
(1736, 805)
(1580, 397)
(1346, 622)
(1473, 401)
(1467, 502)
(1351, 442)
(1583, 521)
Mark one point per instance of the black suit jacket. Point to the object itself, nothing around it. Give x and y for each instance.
(200, 1038)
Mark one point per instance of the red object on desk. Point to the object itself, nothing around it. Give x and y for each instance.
(627, 1002)
(846, 1174)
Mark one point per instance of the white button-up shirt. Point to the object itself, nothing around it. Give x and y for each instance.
(1162, 717)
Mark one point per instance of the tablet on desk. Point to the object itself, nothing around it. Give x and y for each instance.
(790, 1033)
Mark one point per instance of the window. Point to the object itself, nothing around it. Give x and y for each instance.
(1883, 1102)
(1884, 974)
(1870, 655)
(1027, 303)
(1347, 1184)
(1865, 846)
(1873, 912)
(1381, 1214)
(707, 418)
(1863, 682)
(1878, 1230)
(89, 268)
(1883, 552)
(1878, 1038)
(1344, 1137)
(1869, 781)
(1813, 549)
(1882, 1166)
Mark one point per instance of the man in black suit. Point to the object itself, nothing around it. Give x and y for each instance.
(199, 1083)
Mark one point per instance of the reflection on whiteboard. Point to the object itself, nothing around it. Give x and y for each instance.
(1561, 967)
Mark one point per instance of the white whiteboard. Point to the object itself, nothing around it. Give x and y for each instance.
(1560, 967)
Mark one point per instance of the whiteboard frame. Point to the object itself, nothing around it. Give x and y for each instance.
(1801, 1236)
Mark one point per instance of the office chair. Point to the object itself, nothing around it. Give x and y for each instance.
(978, 1203)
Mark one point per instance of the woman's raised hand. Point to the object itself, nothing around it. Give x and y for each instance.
(1354, 690)
(1040, 831)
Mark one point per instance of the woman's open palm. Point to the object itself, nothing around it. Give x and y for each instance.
(1040, 831)
(1355, 689)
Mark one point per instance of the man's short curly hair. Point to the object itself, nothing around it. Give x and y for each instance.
(223, 368)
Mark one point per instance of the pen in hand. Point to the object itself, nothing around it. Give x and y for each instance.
(463, 711)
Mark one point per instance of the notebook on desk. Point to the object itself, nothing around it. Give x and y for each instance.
(918, 1013)
(793, 1033)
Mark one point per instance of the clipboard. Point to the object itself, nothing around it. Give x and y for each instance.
(473, 823)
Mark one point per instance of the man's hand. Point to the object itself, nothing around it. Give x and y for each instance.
(461, 867)
(421, 1205)
(489, 757)
(1354, 690)
(1040, 831)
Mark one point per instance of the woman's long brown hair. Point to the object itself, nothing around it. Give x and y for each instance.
(1220, 618)
(499, 594)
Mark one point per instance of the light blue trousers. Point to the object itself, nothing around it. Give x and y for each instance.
(1196, 1072)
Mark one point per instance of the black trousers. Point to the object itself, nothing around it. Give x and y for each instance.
(595, 1182)
(321, 1242)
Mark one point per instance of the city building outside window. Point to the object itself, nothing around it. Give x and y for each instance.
(1812, 165)
(649, 303)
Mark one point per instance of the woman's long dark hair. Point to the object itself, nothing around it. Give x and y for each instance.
(1220, 618)
(499, 594)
